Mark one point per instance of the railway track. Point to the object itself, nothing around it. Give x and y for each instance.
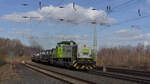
(127, 71)
(139, 80)
(57, 75)
(124, 74)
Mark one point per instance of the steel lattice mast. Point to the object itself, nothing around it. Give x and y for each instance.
(95, 40)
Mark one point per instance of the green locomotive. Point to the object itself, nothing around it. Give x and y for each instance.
(67, 54)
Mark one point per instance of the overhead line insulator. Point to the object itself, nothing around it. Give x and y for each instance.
(74, 6)
(139, 12)
(40, 4)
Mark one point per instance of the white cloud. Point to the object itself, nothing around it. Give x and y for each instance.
(81, 16)
(63, 37)
(146, 43)
(72, 37)
(22, 33)
(131, 34)
(128, 32)
(1, 30)
(22, 17)
(145, 37)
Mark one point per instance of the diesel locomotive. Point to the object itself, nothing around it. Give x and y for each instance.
(67, 54)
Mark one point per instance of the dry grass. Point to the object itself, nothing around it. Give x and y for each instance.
(7, 73)
(125, 56)
(2, 60)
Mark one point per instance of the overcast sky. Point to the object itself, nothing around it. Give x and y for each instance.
(122, 25)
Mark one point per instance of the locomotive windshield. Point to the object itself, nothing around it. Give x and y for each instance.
(85, 51)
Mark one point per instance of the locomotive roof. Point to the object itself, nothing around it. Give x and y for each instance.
(67, 42)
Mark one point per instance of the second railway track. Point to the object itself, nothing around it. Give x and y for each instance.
(141, 79)
(129, 71)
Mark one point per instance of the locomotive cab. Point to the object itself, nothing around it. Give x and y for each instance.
(84, 59)
(84, 52)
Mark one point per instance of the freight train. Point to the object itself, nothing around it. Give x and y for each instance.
(67, 54)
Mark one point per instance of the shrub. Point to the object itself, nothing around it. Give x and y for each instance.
(2, 60)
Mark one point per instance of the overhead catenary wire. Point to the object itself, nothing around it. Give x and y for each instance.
(136, 27)
(139, 12)
(123, 6)
(61, 2)
(25, 3)
(133, 19)
(141, 15)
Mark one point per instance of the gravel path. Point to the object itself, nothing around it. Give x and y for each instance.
(28, 76)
